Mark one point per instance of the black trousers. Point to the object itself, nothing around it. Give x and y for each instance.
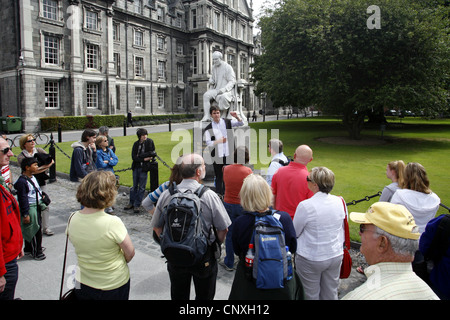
(204, 281)
(218, 172)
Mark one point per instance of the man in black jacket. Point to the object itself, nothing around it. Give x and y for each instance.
(143, 155)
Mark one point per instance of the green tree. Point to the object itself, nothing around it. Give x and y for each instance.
(341, 57)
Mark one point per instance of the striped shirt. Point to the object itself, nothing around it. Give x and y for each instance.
(392, 281)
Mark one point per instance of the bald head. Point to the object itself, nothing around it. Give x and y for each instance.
(303, 154)
(190, 163)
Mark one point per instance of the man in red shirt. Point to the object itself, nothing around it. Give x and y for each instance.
(289, 184)
(11, 240)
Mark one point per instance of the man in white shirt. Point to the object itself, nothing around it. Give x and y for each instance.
(278, 158)
(219, 136)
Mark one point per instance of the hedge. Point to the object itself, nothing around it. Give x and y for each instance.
(83, 122)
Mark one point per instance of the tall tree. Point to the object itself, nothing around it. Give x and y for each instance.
(351, 58)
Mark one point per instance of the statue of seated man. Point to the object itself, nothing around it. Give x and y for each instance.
(222, 82)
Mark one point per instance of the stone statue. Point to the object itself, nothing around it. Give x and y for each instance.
(222, 82)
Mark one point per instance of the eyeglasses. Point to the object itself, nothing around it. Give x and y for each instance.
(31, 140)
(6, 150)
(363, 228)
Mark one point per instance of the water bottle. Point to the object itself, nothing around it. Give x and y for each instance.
(289, 263)
(249, 258)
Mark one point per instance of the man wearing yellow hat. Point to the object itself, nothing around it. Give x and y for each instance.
(389, 239)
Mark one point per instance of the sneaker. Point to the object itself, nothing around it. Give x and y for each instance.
(129, 206)
(39, 257)
(136, 210)
(48, 232)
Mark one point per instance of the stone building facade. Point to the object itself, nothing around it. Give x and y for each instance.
(76, 57)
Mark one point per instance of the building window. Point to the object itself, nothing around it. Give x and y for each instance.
(92, 54)
(138, 38)
(138, 6)
(161, 69)
(194, 18)
(180, 95)
(139, 96)
(160, 43)
(51, 94)
(178, 20)
(180, 49)
(194, 61)
(216, 21)
(160, 12)
(180, 73)
(51, 50)
(243, 29)
(139, 66)
(91, 20)
(116, 31)
(230, 60)
(160, 98)
(116, 58)
(92, 96)
(50, 9)
(243, 67)
(230, 27)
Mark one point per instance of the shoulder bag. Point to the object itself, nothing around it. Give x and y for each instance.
(346, 266)
(69, 295)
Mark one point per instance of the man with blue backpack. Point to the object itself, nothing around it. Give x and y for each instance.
(190, 222)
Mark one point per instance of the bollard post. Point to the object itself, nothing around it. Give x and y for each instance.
(170, 125)
(59, 132)
(124, 128)
(53, 155)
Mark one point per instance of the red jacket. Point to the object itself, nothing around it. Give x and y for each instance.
(10, 230)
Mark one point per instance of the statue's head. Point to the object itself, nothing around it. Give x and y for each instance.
(217, 58)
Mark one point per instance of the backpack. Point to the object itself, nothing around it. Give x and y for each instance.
(270, 267)
(278, 160)
(182, 240)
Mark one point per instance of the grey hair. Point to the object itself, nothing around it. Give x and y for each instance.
(401, 246)
(323, 177)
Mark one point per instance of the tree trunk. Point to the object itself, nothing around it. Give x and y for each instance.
(354, 123)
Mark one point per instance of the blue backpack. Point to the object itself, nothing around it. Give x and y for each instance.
(270, 267)
(182, 240)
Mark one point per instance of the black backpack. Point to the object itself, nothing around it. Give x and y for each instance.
(182, 240)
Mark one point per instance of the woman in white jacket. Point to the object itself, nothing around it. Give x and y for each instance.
(415, 194)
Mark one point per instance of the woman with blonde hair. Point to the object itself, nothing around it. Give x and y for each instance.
(27, 143)
(394, 172)
(101, 241)
(256, 198)
(415, 194)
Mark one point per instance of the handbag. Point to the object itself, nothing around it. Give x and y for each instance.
(70, 294)
(346, 266)
(45, 198)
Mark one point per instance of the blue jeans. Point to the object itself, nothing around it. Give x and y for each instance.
(11, 277)
(138, 189)
(234, 211)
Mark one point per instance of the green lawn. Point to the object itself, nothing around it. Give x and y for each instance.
(359, 169)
